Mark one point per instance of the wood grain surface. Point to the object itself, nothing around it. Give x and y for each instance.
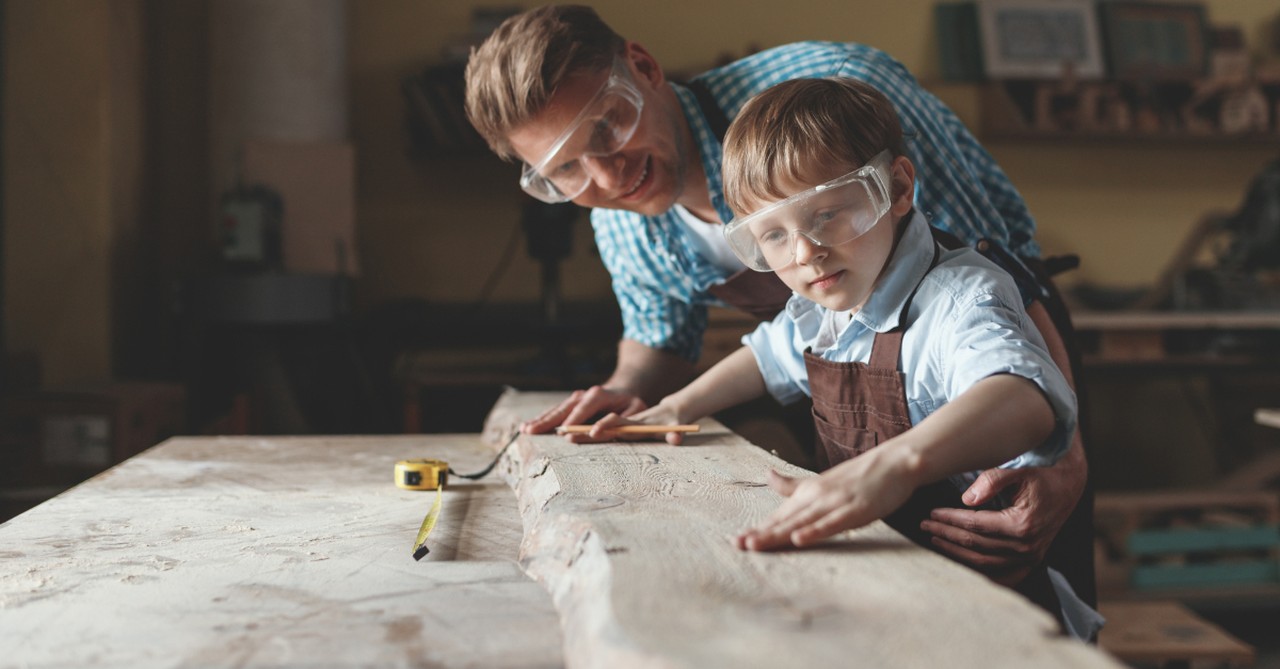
(633, 542)
(273, 552)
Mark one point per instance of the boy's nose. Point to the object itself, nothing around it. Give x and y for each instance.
(806, 251)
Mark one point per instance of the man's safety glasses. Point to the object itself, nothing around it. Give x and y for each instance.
(602, 128)
(831, 214)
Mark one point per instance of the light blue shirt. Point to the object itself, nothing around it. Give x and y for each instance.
(966, 323)
(661, 279)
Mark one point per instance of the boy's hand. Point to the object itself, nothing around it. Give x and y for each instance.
(581, 405)
(1006, 544)
(845, 497)
(605, 428)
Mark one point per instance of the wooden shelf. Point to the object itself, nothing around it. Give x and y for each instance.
(1110, 111)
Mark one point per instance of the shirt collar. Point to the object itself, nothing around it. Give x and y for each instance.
(709, 148)
(911, 260)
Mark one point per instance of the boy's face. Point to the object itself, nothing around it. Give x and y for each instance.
(644, 174)
(838, 276)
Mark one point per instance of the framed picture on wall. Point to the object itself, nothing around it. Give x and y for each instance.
(1155, 40)
(1040, 39)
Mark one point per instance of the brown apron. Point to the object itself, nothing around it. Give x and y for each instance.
(857, 406)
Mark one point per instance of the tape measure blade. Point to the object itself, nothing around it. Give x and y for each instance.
(420, 544)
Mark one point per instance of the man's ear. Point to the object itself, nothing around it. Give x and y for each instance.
(902, 185)
(644, 67)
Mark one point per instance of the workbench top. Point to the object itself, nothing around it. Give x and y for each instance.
(280, 552)
(296, 552)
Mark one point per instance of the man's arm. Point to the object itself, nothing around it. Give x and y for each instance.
(643, 376)
(1006, 544)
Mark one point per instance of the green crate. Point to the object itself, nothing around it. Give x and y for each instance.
(1184, 576)
(1149, 542)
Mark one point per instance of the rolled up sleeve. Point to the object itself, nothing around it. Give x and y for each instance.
(993, 335)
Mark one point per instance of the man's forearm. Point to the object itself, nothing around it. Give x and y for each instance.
(649, 373)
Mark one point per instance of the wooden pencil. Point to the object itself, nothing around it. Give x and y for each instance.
(630, 429)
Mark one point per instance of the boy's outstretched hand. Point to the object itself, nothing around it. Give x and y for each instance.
(847, 496)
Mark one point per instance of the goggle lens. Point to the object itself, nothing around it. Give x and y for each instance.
(831, 214)
(603, 127)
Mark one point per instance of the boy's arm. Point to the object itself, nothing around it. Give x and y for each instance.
(1006, 544)
(993, 422)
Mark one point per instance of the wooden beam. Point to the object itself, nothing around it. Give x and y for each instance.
(633, 542)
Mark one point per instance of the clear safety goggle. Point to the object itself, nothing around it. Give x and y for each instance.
(831, 214)
(602, 128)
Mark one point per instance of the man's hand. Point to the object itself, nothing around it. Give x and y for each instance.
(1007, 544)
(581, 406)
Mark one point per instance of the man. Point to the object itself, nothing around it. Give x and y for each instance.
(596, 122)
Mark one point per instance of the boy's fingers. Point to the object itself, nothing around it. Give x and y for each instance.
(838, 520)
(788, 517)
(781, 483)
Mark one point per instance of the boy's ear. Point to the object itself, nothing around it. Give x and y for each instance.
(902, 185)
(643, 65)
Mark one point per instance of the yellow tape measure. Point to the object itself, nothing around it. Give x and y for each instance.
(429, 474)
(423, 474)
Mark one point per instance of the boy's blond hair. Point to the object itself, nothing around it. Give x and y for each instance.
(805, 131)
(512, 75)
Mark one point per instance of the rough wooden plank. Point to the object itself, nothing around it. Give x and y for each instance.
(633, 542)
(280, 552)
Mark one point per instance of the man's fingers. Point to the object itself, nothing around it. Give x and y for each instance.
(552, 418)
(1004, 570)
(989, 483)
(987, 523)
(974, 541)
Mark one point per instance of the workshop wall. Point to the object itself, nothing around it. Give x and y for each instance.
(72, 154)
(435, 228)
(107, 194)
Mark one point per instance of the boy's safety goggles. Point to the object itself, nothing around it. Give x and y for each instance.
(602, 128)
(831, 214)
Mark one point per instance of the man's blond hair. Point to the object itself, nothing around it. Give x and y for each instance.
(512, 75)
(805, 131)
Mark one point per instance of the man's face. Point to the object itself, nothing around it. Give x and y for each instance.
(645, 175)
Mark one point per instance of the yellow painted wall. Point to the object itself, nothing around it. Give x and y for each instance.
(57, 207)
(435, 229)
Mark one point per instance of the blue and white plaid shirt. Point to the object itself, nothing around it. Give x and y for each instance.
(662, 282)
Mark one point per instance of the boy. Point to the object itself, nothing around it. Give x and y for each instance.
(886, 330)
